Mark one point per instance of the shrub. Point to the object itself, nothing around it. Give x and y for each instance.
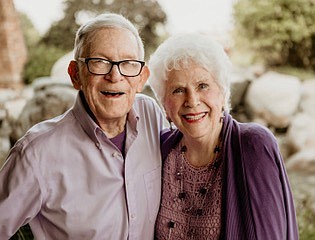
(41, 58)
(281, 32)
(305, 218)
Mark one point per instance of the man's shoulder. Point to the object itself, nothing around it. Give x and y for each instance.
(146, 102)
(140, 97)
(47, 129)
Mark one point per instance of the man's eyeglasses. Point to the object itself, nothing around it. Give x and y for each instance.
(100, 66)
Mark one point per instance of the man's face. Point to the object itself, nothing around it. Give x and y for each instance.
(110, 97)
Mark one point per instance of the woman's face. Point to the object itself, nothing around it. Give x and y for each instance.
(193, 101)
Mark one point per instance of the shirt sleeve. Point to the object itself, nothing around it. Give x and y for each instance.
(20, 192)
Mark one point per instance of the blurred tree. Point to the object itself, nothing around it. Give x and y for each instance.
(147, 15)
(281, 32)
(41, 57)
(31, 35)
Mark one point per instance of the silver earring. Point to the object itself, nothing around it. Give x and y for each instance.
(170, 123)
(223, 115)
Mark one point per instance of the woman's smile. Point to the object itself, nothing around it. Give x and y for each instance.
(194, 117)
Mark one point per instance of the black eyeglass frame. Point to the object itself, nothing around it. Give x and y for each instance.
(86, 61)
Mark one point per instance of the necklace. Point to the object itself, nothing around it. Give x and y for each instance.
(203, 190)
(194, 202)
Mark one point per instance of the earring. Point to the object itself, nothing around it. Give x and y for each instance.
(170, 123)
(223, 115)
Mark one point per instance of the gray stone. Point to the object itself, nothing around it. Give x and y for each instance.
(274, 97)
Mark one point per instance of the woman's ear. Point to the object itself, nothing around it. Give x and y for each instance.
(74, 74)
(145, 73)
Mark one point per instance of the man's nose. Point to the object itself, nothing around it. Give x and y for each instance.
(114, 75)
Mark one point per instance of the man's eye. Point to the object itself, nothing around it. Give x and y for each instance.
(178, 90)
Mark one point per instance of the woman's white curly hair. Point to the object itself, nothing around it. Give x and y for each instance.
(177, 52)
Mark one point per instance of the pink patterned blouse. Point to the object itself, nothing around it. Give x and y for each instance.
(191, 206)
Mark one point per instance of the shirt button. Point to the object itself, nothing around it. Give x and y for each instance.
(98, 145)
(115, 154)
(133, 216)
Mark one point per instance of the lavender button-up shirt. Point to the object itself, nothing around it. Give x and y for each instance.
(69, 181)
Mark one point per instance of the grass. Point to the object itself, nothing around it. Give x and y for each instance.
(306, 219)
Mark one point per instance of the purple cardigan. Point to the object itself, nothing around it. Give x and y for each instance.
(257, 199)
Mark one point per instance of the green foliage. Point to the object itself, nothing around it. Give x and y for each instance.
(40, 56)
(281, 32)
(40, 61)
(147, 15)
(31, 35)
(302, 74)
(306, 219)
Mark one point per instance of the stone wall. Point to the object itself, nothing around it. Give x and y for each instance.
(13, 50)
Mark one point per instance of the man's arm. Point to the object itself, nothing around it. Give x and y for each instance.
(20, 193)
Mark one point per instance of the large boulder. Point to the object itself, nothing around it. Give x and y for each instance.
(301, 133)
(274, 98)
(60, 68)
(50, 100)
(307, 103)
(303, 161)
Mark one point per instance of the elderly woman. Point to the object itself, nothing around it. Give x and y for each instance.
(221, 179)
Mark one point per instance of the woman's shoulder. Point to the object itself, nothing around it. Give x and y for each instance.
(258, 144)
(169, 139)
(255, 133)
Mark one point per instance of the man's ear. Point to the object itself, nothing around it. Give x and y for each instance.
(74, 74)
(145, 74)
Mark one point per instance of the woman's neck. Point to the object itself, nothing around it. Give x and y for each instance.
(201, 152)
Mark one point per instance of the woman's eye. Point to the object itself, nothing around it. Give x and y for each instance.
(203, 85)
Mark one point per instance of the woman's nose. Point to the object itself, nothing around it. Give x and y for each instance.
(192, 100)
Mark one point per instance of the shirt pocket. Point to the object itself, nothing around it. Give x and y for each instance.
(152, 181)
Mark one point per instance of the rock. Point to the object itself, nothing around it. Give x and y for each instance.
(60, 68)
(46, 103)
(274, 97)
(46, 82)
(301, 133)
(303, 161)
(4, 149)
(240, 81)
(307, 103)
(7, 94)
(5, 130)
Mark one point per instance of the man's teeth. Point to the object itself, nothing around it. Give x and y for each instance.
(195, 117)
(112, 93)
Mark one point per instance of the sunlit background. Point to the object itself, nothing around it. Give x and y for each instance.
(183, 15)
(271, 41)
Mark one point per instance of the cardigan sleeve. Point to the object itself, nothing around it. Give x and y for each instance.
(268, 187)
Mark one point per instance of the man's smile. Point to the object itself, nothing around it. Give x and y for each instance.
(112, 93)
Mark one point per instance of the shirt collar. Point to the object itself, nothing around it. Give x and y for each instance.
(89, 125)
(85, 120)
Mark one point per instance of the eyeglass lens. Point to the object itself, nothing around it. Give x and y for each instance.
(127, 67)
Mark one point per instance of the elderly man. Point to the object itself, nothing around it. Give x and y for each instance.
(95, 171)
